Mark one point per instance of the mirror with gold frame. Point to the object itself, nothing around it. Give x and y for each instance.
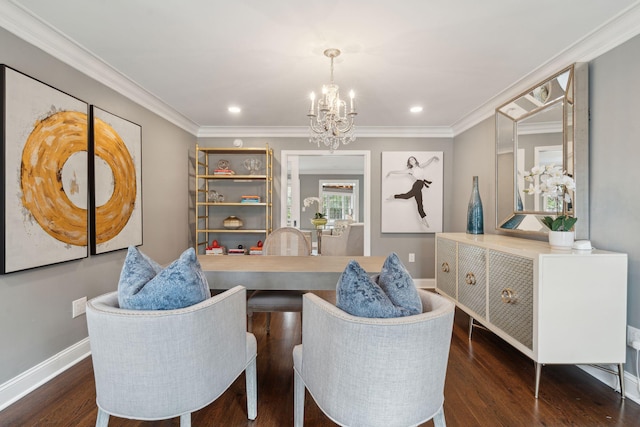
(545, 125)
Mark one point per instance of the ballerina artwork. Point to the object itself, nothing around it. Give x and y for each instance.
(412, 194)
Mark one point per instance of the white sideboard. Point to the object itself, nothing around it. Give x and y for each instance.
(556, 307)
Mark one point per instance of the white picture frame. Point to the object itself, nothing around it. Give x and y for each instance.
(412, 192)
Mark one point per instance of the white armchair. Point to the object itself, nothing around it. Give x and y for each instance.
(373, 372)
(153, 365)
(349, 243)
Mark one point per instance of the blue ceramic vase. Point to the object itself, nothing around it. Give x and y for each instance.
(475, 215)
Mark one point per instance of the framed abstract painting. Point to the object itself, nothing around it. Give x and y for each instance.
(116, 171)
(412, 192)
(44, 174)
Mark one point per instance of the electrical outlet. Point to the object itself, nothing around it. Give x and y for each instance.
(412, 257)
(79, 307)
(633, 334)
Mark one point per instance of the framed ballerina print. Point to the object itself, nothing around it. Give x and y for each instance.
(412, 192)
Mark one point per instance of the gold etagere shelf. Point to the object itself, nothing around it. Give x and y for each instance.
(209, 215)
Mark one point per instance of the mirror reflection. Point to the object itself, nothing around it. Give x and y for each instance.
(537, 128)
(340, 180)
(539, 142)
(340, 199)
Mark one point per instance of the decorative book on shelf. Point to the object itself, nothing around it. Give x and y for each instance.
(255, 250)
(236, 252)
(250, 199)
(216, 251)
(223, 172)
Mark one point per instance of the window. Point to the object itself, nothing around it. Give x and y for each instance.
(339, 200)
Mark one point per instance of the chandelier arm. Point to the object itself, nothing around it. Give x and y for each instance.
(316, 127)
(348, 125)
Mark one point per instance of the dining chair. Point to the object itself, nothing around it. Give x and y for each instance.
(349, 243)
(371, 371)
(161, 364)
(284, 241)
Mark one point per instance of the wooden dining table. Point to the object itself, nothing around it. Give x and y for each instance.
(281, 272)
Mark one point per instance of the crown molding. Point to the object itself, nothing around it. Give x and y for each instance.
(611, 34)
(303, 132)
(23, 24)
(539, 128)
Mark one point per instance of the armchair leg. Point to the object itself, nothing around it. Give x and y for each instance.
(185, 420)
(250, 321)
(250, 374)
(438, 419)
(103, 419)
(298, 400)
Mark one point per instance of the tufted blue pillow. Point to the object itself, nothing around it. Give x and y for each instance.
(145, 285)
(396, 282)
(359, 295)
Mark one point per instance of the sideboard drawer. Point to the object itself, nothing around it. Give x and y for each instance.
(511, 295)
(472, 278)
(446, 267)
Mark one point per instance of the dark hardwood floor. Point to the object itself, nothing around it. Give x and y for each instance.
(488, 384)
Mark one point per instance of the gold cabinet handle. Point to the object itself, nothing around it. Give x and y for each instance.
(508, 296)
(445, 267)
(470, 279)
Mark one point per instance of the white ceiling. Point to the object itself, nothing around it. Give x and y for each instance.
(189, 60)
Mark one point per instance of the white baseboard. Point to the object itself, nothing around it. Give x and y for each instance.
(26, 382)
(630, 381)
(425, 283)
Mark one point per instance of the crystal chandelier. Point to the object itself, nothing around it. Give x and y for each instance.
(329, 121)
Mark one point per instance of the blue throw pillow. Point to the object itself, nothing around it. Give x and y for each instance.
(396, 282)
(358, 295)
(145, 285)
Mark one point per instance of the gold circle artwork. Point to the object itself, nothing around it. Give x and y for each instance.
(114, 215)
(48, 147)
(51, 143)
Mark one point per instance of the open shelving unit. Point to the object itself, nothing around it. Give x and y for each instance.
(252, 176)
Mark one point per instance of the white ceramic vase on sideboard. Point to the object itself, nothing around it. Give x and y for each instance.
(561, 239)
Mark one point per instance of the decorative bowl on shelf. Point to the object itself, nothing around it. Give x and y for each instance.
(232, 222)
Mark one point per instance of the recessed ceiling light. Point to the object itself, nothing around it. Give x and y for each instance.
(416, 109)
(234, 109)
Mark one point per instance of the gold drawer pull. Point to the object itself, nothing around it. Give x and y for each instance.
(508, 296)
(445, 267)
(470, 278)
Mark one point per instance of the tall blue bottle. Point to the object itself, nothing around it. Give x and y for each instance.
(475, 215)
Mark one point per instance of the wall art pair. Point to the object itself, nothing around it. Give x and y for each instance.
(71, 176)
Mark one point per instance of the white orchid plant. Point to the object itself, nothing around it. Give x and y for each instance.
(309, 201)
(554, 183)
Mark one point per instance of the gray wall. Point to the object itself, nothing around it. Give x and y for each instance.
(474, 154)
(423, 245)
(614, 174)
(35, 305)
